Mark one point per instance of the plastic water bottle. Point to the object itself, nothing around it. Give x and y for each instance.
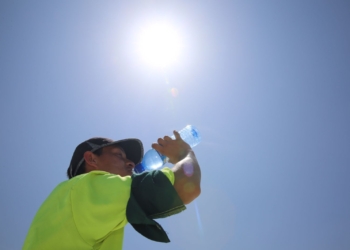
(155, 160)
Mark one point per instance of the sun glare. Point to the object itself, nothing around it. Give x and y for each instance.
(159, 45)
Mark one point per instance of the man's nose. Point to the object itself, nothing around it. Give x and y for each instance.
(130, 163)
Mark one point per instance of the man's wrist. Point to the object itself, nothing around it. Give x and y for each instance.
(183, 155)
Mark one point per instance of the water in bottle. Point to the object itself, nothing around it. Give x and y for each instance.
(154, 160)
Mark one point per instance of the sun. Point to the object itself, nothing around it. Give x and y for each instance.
(159, 45)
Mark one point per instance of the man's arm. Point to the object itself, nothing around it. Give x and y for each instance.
(186, 169)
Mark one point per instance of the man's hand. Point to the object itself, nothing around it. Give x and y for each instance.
(186, 169)
(175, 150)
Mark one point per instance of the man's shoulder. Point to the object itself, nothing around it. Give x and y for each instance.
(96, 177)
(97, 174)
(96, 180)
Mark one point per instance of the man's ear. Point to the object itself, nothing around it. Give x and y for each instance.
(90, 161)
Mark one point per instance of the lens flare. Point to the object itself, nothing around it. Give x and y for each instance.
(188, 169)
(174, 92)
(198, 218)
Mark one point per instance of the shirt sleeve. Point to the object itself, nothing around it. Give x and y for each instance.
(99, 202)
(152, 197)
(170, 174)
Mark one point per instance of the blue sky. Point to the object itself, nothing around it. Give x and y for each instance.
(267, 83)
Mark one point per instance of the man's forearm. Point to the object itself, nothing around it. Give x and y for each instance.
(187, 178)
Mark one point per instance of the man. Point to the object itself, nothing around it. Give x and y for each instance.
(91, 209)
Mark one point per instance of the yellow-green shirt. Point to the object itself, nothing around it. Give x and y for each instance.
(85, 212)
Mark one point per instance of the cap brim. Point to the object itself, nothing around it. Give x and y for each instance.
(133, 149)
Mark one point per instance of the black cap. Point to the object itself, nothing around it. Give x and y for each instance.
(132, 147)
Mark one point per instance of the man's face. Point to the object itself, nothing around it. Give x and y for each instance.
(113, 160)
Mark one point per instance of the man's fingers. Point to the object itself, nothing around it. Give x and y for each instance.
(161, 141)
(167, 138)
(157, 147)
(177, 135)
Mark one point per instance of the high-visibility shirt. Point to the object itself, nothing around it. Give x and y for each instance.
(85, 212)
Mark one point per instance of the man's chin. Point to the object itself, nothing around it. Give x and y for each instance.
(129, 172)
